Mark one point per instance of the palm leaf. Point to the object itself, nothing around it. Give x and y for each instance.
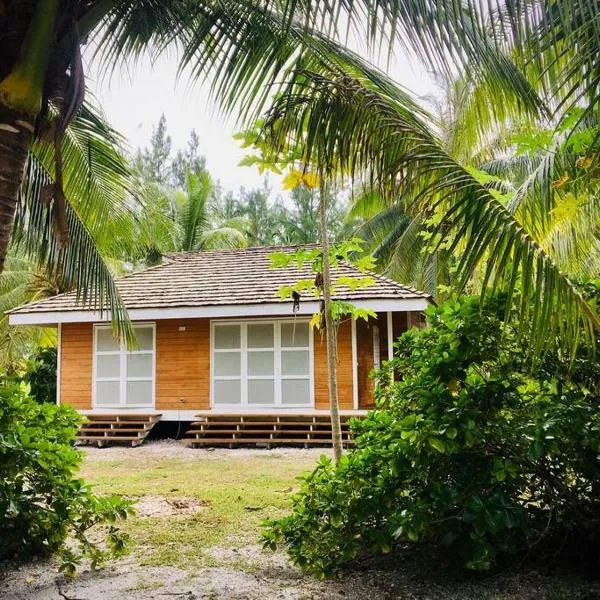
(343, 125)
(79, 265)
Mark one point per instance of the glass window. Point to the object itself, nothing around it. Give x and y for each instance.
(124, 378)
(295, 391)
(107, 393)
(261, 336)
(108, 365)
(228, 392)
(295, 362)
(105, 341)
(261, 391)
(144, 337)
(295, 335)
(261, 362)
(228, 364)
(227, 336)
(139, 365)
(139, 393)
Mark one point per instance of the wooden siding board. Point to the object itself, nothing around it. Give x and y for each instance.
(345, 369)
(76, 365)
(183, 364)
(364, 343)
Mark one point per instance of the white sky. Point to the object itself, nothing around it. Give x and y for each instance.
(134, 101)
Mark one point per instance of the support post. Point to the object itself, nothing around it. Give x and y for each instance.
(390, 339)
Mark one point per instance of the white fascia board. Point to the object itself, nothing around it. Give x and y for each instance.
(221, 311)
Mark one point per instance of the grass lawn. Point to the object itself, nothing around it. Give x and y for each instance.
(197, 530)
(235, 491)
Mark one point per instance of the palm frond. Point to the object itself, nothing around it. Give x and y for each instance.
(79, 265)
(344, 126)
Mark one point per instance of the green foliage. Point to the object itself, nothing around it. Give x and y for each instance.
(41, 374)
(44, 508)
(343, 252)
(474, 453)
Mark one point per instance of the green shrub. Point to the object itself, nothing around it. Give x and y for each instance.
(44, 508)
(40, 374)
(474, 453)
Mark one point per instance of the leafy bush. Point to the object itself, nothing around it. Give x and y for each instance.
(41, 374)
(44, 508)
(474, 453)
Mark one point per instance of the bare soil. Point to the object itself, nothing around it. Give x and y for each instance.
(241, 571)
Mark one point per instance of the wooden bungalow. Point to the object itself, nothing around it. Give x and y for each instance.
(217, 349)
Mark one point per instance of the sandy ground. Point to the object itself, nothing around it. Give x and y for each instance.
(271, 577)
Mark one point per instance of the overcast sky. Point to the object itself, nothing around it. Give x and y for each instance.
(134, 101)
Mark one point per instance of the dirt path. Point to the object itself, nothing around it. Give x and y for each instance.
(236, 567)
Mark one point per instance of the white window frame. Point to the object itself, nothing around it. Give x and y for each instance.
(277, 377)
(123, 379)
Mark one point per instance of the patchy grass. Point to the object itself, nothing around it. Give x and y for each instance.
(238, 492)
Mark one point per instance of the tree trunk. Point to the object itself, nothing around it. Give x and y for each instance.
(16, 136)
(20, 103)
(330, 332)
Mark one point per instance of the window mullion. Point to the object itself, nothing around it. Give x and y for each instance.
(123, 375)
(244, 363)
(277, 361)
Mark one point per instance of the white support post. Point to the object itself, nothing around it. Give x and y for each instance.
(354, 366)
(390, 339)
(58, 355)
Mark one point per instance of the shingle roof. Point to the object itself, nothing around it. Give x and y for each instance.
(222, 277)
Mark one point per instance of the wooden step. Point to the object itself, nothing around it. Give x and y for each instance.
(285, 431)
(105, 428)
(233, 442)
(271, 430)
(112, 430)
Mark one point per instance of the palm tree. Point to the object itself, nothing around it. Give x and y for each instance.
(192, 214)
(246, 48)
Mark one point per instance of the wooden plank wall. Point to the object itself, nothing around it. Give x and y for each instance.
(345, 369)
(183, 364)
(76, 365)
(364, 346)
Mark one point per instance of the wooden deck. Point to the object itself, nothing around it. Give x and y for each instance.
(117, 428)
(300, 429)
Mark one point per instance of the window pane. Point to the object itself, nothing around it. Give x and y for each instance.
(107, 392)
(295, 391)
(261, 363)
(294, 335)
(139, 365)
(139, 392)
(144, 337)
(105, 342)
(228, 392)
(295, 362)
(108, 365)
(261, 391)
(227, 363)
(260, 336)
(227, 336)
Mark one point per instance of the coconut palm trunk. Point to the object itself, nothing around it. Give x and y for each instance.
(330, 332)
(16, 135)
(20, 104)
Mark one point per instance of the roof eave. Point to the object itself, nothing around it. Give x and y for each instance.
(271, 309)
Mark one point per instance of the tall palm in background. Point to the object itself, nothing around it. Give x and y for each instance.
(246, 48)
(184, 220)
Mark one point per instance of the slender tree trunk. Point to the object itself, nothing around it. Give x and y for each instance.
(16, 135)
(330, 332)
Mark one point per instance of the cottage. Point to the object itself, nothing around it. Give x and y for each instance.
(217, 348)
